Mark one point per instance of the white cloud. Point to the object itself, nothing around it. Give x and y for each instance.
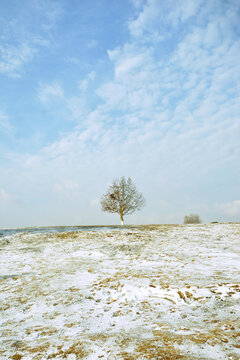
(5, 125)
(137, 3)
(183, 10)
(67, 187)
(145, 19)
(49, 11)
(21, 41)
(14, 57)
(112, 93)
(129, 64)
(48, 92)
(213, 35)
(76, 107)
(136, 81)
(158, 93)
(92, 43)
(231, 208)
(83, 84)
(95, 202)
(91, 75)
(5, 196)
(155, 16)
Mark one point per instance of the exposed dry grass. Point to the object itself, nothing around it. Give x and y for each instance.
(17, 357)
(76, 349)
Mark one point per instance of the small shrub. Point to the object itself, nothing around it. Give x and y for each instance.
(192, 219)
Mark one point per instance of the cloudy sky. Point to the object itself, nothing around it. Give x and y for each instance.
(91, 90)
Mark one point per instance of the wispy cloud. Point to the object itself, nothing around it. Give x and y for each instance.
(145, 18)
(52, 96)
(6, 197)
(83, 84)
(231, 208)
(14, 57)
(92, 44)
(50, 11)
(5, 126)
(48, 92)
(183, 10)
(21, 42)
(67, 188)
(137, 3)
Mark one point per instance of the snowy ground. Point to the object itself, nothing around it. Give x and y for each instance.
(145, 292)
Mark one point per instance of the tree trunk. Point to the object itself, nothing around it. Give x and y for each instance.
(121, 217)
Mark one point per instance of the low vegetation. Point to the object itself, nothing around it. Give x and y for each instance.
(192, 219)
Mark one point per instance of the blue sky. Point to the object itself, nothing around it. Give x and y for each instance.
(92, 90)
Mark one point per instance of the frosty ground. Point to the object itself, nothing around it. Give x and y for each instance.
(144, 292)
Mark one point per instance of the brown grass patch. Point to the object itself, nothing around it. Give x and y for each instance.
(126, 356)
(76, 349)
(66, 235)
(48, 332)
(98, 337)
(41, 349)
(152, 349)
(17, 357)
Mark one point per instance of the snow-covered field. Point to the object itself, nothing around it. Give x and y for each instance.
(144, 292)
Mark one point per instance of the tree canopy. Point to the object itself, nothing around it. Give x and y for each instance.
(122, 197)
(192, 219)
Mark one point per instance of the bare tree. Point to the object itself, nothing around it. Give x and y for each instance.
(192, 219)
(122, 197)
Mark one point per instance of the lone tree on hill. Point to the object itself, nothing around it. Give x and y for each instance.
(122, 197)
(192, 219)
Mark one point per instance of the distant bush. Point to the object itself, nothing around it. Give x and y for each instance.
(192, 219)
